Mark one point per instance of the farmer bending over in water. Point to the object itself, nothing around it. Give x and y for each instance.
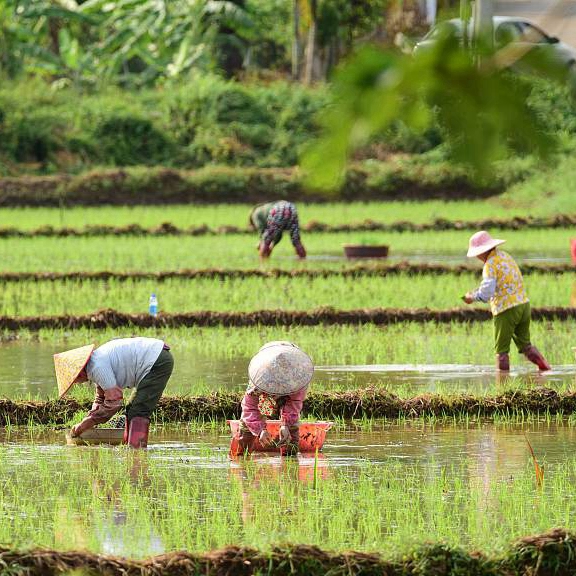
(502, 285)
(279, 377)
(141, 363)
(271, 220)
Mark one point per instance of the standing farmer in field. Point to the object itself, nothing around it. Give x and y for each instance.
(271, 220)
(141, 363)
(503, 286)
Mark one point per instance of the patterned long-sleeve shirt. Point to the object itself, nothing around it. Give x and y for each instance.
(502, 283)
(290, 408)
(274, 218)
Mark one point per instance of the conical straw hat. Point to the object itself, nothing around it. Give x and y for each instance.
(280, 368)
(69, 364)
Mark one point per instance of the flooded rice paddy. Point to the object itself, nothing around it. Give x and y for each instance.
(472, 486)
(28, 370)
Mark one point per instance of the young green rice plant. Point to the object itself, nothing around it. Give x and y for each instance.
(446, 359)
(442, 487)
(215, 215)
(169, 253)
(76, 297)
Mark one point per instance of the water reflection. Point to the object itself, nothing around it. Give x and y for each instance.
(249, 473)
(27, 369)
(113, 500)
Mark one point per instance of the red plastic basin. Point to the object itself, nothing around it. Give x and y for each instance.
(312, 436)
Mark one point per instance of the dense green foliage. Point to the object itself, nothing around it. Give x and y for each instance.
(146, 42)
(205, 120)
(480, 112)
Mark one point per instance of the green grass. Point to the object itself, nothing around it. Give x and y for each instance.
(420, 483)
(31, 298)
(549, 191)
(153, 254)
(186, 216)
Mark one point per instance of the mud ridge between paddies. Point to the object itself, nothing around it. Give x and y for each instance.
(354, 404)
(552, 552)
(319, 316)
(356, 271)
(169, 229)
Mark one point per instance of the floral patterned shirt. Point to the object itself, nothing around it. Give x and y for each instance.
(502, 283)
(272, 219)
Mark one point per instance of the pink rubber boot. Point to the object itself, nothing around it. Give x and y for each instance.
(126, 431)
(534, 355)
(503, 362)
(138, 432)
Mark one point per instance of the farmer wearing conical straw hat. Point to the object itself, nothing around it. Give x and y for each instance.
(141, 363)
(503, 287)
(279, 376)
(271, 220)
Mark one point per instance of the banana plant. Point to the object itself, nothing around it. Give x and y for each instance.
(127, 41)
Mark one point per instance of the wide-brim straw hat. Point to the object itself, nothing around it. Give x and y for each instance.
(68, 366)
(482, 242)
(280, 368)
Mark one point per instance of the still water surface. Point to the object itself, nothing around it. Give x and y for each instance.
(27, 369)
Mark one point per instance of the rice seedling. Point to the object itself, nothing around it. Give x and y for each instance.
(406, 358)
(472, 488)
(31, 298)
(215, 215)
(325, 250)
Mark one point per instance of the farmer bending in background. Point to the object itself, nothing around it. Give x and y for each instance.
(502, 285)
(141, 363)
(271, 220)
(279, 377)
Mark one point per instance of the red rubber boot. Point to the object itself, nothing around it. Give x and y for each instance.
(126, 431)
(534, 355)
(138, 432)
(503, 362)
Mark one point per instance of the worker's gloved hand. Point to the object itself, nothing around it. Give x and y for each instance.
(86, 424)
(111, 405)
(265, 439)
(300, 250)
(98, 399)
(284, 435)
(468, 298)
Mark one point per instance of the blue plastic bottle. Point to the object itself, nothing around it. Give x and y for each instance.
(153, 305)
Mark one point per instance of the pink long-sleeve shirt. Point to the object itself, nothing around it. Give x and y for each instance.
(289, 413)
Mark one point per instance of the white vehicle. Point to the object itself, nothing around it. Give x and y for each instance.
(509, 30)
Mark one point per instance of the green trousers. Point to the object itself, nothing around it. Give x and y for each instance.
(512, 324)
(148, 391)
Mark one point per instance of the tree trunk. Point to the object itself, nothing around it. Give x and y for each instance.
(296, 40)
(53, 31)
(311, 46)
